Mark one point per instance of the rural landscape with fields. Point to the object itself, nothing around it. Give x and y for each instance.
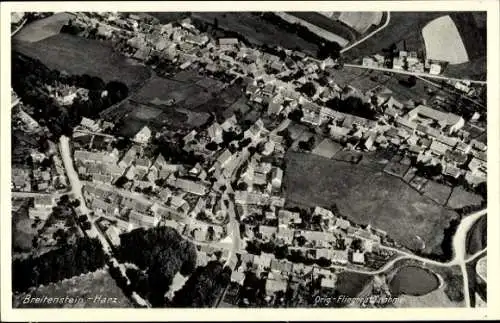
(249, 159)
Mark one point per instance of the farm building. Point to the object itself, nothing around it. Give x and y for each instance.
(443, 41)
(143, 136)
(444, 119)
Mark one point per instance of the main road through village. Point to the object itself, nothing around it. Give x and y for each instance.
(459, 239)
(94, 232)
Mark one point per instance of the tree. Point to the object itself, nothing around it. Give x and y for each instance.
(301, 241)
(281, 252)
(84, 256)
(161, 252)
(253, 248)
(308, 89)
(86, 225)
(75, 203)
(212, 146)
(324, 262)
(296, 115)
(203, 287)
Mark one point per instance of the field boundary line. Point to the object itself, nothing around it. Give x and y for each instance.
(345, 49)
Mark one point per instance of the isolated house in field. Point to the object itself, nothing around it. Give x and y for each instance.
(44, 202)
(143, 136)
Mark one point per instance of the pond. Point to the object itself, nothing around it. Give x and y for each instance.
(413, 280)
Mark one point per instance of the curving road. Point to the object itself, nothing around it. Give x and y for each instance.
(369, 35)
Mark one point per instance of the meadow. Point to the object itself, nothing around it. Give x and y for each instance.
(76, 56)
(367, 196)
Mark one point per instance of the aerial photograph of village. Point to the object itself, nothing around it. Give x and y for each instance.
(294, 159)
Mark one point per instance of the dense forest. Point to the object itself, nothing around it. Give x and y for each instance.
(30, 78)
(159, 253)
(84, 256)
(203, 287)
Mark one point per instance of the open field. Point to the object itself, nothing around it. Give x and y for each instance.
(184, 90)
(406, 28)
(166, 17)
(460, 197)
(43, 28)
(361, 21)
(435, 298)
(350, 283)
(367, 196)
(327, 24)
(155, 118)
(443, 41)
(322, 30)
(76, 55)
(256, 30)
(437, 192)
(91, 285)
(23, 232)
(477, 237)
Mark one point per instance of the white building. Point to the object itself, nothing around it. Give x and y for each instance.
(143, 136)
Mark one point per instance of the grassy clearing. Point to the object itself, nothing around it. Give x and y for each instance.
(185, 91)
(437, 192)
(436, 298)
(23, 231)
(367, 196)
(43, 28)
(460, 197)
(477, 237)
(350, 283)
(98, 283)
(77, 55)
(323, 22)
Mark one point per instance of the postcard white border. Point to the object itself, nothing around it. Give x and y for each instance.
(490, 312)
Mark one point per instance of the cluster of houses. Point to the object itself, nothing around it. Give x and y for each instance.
(405, 60)
(38, 179)
(432, 135)
(332, 241)
(66, 94)
(266, 78)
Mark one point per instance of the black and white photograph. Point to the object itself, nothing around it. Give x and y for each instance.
(257, 159)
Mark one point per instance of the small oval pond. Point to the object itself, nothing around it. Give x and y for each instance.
(414, 281)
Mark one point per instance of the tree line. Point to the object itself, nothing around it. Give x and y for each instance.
(159, 253)
(85, 255)
(204, 286)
